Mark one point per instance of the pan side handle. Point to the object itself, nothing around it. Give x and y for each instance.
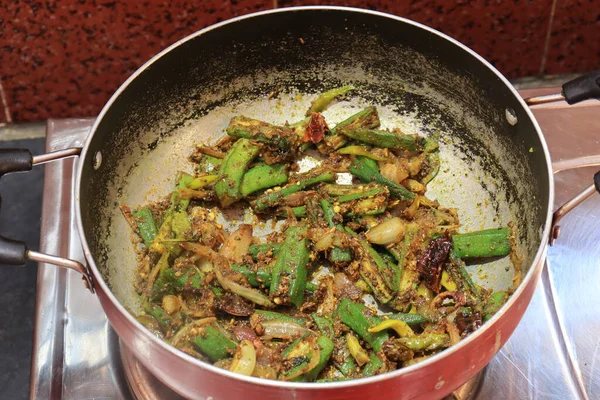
(14, 252)
(585, 87)
(579, 198)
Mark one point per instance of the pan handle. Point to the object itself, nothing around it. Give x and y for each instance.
(585, 87)
(14, 252)
(579, 198)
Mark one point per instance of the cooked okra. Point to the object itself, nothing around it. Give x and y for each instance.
(261, 269)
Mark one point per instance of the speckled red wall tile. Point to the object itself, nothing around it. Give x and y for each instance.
(510, 34)
(575, 37)
(66, 58)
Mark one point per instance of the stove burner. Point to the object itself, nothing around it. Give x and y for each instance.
(469, 390)
(142, 384)
(145, 386)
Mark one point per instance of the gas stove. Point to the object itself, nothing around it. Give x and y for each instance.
(552, 354)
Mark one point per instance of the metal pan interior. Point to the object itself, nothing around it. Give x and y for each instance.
(493, 172)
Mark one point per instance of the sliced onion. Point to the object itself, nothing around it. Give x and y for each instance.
(414, 165)
(389, 231)
(358, 353)
(411, 210)
(237, 244)
(282, 329)
(395, 172)
(327, 306)
(244, 359)
(453, 332)
(222, 263)
(414, 186)
(264, 371)
(205, 265)
(244, 333)
(325, 241)
(344, 286)
(315, 355)
(458, 297)
(249, 294)
(171, 303)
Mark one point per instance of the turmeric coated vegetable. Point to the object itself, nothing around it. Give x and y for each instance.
(285, 255)
(366, 170)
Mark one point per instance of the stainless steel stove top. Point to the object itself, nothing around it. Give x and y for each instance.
(553, 354)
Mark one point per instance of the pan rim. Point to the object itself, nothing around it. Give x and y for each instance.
(530, 276)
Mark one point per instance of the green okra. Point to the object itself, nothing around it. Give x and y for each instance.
(170, 282)
(367, 192)
(486, 243)
(337, 254)
(376, 273)
(364, 119)
(367, 171)
(262, 177)
(353, 314)
(248, 128)
(325, 350)
(262, 277)
(340, 255)
(461, 276)
(178, 204)
(273, 198)
(217, 290)
(383, 267)
(494, 303)
(300, 363)
(325, 325)
(234, 166)
(373, 366)
(348, 366)
(384, 139)
(299, 212)
(160, 315)
(387, 257)
(433, 159)
(409, 277)
(328, 212)
(293, 346)
(370, 206)
(324, 99)
(214, 344)
(180, 224)
(467, 278)
(209, 164)
(335, 379)
(256, 249)
(255, 278)
(146, 226)
(425, 341)
(292, 263)
(265, 315)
